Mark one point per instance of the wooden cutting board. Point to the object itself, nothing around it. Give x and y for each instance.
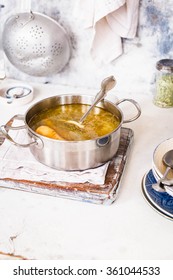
(94, 193)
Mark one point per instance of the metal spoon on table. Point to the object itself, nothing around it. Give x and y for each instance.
(106, 85)
(168, 161)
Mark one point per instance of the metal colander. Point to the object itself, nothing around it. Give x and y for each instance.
(36, 44)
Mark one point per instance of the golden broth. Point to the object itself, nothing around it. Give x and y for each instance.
(52, 122)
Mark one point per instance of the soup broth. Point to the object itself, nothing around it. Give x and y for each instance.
(53, 123)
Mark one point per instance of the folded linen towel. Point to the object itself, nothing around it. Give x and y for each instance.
(111, 20)
(19, 163)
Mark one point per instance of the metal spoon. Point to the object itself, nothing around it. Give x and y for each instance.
(106, 85)
(168, 161)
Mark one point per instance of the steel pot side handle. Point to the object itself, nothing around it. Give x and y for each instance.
(5, 128)
(136, 106)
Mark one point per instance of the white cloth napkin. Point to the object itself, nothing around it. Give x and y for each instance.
(111, 20)
(19, 163)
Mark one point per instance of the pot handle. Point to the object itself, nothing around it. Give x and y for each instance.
(5, 128)
(136, 106)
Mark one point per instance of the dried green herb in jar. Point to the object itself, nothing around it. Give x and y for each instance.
(164, 83)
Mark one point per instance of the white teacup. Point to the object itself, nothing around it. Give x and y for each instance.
(158, 167)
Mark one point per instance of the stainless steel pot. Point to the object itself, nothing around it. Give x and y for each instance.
(72, 155)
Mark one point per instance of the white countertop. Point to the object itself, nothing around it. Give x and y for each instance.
(42, 227)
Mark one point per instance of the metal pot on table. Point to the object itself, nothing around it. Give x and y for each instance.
(72, 155)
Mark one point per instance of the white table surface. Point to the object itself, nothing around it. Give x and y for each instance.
(42, 227)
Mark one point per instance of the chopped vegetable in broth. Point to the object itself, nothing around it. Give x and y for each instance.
(53, 123)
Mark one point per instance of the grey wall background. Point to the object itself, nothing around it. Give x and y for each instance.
(134, 70)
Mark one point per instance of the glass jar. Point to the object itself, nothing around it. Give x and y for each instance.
(164, 83)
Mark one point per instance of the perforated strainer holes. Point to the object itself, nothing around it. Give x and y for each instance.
(27, 63)
(47, 62)
(21, 43)
(36, 31)
(9, 47)
(56, 49)
(38, 49)
(40, 40)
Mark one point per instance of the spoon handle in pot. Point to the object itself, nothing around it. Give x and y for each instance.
(96, 100)
(106, 85)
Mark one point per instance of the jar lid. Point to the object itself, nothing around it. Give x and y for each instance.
(165, 65)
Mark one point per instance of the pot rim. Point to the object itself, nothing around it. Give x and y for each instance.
(70, 141)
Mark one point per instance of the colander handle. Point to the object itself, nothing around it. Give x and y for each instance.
(136, 106)
(5, 128)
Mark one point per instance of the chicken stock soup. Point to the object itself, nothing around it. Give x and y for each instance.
(53, 122)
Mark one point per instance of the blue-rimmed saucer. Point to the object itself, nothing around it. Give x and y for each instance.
(162, 202)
